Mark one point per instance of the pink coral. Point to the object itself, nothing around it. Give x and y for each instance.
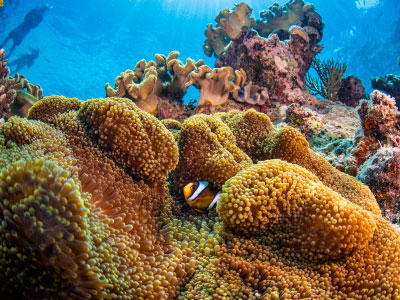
(279, 66)
(7, 93)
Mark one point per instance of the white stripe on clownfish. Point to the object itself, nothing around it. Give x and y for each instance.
(215, 200)
(199, 189)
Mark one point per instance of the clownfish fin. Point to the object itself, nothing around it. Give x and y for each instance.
(199, 189)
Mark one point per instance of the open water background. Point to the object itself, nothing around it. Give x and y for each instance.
(85, 44)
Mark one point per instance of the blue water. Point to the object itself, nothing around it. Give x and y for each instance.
(85, 44)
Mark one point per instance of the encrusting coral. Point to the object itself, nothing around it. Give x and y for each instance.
(82, 219)
(279, 67)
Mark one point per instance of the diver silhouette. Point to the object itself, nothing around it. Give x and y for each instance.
(31, 20)
(25, 60)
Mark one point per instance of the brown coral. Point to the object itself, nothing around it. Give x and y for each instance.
(215, 85)
(280, 18)
(148, 81)
(291, 202)
(126, 254)
(207, 151)
(230, 23)
(252, 94)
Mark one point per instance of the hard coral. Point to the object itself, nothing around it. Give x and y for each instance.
(7, 92)
(87, 226)
(351, 91)
(215, 85)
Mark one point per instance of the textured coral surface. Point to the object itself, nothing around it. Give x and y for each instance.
(86, 213)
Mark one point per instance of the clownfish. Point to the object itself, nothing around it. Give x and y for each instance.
(200, 196)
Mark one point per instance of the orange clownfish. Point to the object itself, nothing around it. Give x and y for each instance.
(200, 196)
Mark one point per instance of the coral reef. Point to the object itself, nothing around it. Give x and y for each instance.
(351, 91)
(27, 94)
(84, 224)
(229, 27)
(85, 212)
(252, 94)
(390, 84)
(277, 19)
(149, 81)
(280, 67)
(329, 78)
(215, 85)
(381, 173)
(7, 92)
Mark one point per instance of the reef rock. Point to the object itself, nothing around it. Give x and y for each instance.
(390, 84)
(278, 66)
(351, 91)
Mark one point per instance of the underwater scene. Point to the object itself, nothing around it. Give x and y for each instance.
(174, 149)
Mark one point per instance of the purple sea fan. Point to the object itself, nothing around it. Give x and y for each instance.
(7, 93)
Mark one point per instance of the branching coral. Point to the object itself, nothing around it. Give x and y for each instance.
(216, 84)
(7, 92)
(328, 82)
(150, 80)
(229, 27)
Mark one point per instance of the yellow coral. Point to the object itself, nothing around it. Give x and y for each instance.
(249, 128)
(136, 139)
(290, 145)
(293, 203)
(207, 151)
(128, 252)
